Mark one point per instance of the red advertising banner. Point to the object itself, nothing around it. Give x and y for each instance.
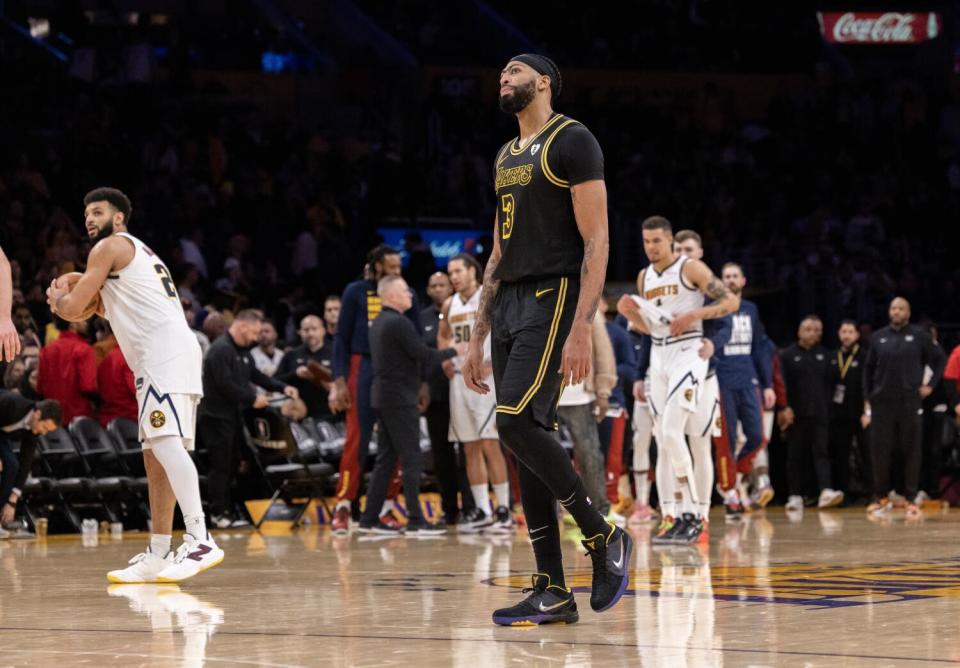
(879, 27)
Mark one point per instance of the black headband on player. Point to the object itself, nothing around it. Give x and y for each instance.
(545, 66)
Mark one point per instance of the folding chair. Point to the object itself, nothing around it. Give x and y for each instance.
(61, 462)
(283, 466)
(99, 455)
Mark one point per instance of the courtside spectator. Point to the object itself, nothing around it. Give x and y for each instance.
(68, 370)
(118, 394)
(308, 368)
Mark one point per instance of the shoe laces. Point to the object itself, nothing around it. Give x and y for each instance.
(183, 550)
(138, 558)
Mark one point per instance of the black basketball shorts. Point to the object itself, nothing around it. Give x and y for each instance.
(530, 324)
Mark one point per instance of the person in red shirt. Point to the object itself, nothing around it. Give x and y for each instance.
(117, 393)
(951, 381)
(68, 370)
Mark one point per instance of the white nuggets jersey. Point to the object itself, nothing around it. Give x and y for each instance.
(676, 370)
(668, 291)
(462, 318)
(144, 311)
(472, 415)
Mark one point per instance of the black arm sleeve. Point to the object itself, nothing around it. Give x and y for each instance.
(405, 335)
(868, 370)
(287, 369)
(28, 450)
(935, 358)
(219, 367)
(575, 155)
(259, 378)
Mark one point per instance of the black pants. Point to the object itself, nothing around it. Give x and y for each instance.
(221, 438)
(808, 434)
(932, 451)
(844, 430)
(10, 468)
(896, 428)
(444, 457)
(399, 437)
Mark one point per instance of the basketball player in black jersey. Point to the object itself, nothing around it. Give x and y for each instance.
(542, 286)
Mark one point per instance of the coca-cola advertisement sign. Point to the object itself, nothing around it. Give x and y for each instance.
(879, 27)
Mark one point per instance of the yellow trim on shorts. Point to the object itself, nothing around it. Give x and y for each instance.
(548, 350)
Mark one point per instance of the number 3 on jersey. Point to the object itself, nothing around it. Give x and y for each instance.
(508, 206)
(166, 280)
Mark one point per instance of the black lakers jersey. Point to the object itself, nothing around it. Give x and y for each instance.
(538, 231)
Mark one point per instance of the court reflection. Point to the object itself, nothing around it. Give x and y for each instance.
(172, 612)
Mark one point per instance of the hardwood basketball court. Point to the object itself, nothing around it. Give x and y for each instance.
(832, 589)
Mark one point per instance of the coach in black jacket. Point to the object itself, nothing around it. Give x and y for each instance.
(894, 389)
(228, 370)
(399, 356)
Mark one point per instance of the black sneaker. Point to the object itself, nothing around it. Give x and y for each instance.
(733, 512)
(474, 521)
(424, 528)
(690, 529)
(379, 528)
(670, 537)
(665, 530)
(611, 567)
(546, 604)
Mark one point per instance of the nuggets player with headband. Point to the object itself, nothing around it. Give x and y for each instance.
(472, 420)
(671, 309)
(540, 292)
(141, 303)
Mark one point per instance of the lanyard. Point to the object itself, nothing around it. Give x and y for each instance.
(845, 366)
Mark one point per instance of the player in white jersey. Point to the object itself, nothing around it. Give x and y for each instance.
(671, 309)
(706, 422)
(472, 416)
(9, 338)
(141, 303)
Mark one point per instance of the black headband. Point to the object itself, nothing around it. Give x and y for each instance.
(545, 66)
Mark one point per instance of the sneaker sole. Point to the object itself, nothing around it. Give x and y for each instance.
(202, 570)
(766, 496)
(537, 620)
(625, 580)
(116, 580)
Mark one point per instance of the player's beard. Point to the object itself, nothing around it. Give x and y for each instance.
(517, 101)
(103, 232)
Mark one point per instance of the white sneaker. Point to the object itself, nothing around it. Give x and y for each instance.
(920, 498)
(194, 556)
(795, 503)
(143, 568)
(830, 498)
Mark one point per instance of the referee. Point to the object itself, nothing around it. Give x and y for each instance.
(542, 285)
(895, 387)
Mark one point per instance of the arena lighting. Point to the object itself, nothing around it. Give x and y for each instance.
(39, 27)
(879, 27)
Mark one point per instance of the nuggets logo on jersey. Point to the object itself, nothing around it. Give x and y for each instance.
(157, 419)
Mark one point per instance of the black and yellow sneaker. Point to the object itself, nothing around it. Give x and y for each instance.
(546, 604)
(610, 554)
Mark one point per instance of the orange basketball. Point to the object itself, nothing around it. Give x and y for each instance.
(70, 279)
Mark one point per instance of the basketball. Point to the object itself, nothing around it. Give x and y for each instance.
(96, 304)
